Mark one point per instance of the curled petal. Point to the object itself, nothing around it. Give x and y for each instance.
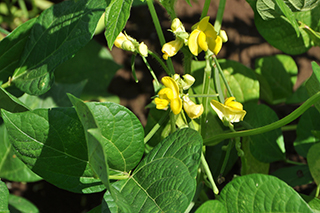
(193, 42)
(226, 112)
(170, 83)
(202, 41)
(176, 105)
(171, 48)
(166, 93)
(215, 45)
(233, 104)
(193, 110)
(161, 103)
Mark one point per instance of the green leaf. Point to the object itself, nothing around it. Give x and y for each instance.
(294, 175)
(211, 206)
(4, 198)
(277, 75)
(53, 137)
(92, 63)
(55, 97)
(242, 81)
(314, 162)
(11, 167)
(267, 147)
(315, 36)
(313, 83)
(121, 130)
(10, 102)
(11, 48)
(261, 193)
(21, 205)
(164, 181)
(117, 15)
(64, 25)
(308, 122)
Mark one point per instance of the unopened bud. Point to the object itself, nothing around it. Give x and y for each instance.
(187, 82)
(143, 49)
(128, 45)
(177, 26)
(223, 35)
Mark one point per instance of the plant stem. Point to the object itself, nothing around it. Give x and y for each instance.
(150, 69)
(159, 31)
(163, 65)
(156, 127)
(289, 128)
(278, 124)
(187, 58)
(218, 22)
(3, 31)
(205, 8)
(222, 75)
(118, 177)
(23, 8)
(209, 175)
(294, 162)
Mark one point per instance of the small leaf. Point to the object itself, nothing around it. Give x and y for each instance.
(53, 137)
(261, 193)
(211, 206)
(308, 122)
(172, 185)
(314, 162)
(117, 15)
(4, 198)
(53, 33)
(21, 205)
(294, 175)
(266, 147)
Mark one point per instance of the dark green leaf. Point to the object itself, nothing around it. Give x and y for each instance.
(277, 75)
(309, 121)
(313, 158)
(11, 48)
(10, 102)
(294, 175)
(164, 181)
(313, 83)
(57, 34)
(117, 15)
(11, 167)
(21, 205)
(92, 63)
(261, 193)
(52, 143)
(211, 206)
(4, 198)
(267, 147)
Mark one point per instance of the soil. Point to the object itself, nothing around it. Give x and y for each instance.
(245, 45)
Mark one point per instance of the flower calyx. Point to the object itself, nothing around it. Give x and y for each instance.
(125, 42)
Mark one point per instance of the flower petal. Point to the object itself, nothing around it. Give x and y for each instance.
(202, 41)
(176, 105)
(170, 83)
(203, 23)
(218, 107)
(166, 93)
(161, 103)
(193, 42)
(215, 45)
(171, 48)
(193, 110)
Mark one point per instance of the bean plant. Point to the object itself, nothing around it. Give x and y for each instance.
(202, 122)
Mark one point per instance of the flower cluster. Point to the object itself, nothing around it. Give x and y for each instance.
(202, 38)
(128, 43)
(173, 95)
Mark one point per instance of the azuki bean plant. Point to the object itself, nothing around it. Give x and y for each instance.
(200, 122)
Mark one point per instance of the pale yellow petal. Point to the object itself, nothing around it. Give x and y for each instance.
(119, 40)
(218, 107)
(171, 48)
(193, 110)
(193, 42)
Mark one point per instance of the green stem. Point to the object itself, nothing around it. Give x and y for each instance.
(294, 162)
(163, 65)
(226, 158)
(217, 82)
(222, 75)
(156, 127)
(150, 69)
(118, 177)
(218, 22)
(159, 31)
(187, 59)
(203, 95)
(23, 8)
(133, 58)
(209, 175)
(278, 124)
(205, 9)
(289, 128)
(317, 191)
(3, 31)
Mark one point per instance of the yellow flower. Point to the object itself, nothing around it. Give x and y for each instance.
(193, 110)
(231, 111)
(204, 37)
(123, 42)
(171, 48)
(169, 95)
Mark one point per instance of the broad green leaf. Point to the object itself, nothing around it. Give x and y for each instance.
(121, 130)
(164, 181)
(249, 164)
(57, 34)
(92, 63)
(10, 102)
(266, 147)
(4, 198)
(53, 137)
(314, 204)
(97, 148)
(313, 158)
(294, 175)
(308, 122)
(11, 167)
(279, 74)
(313, 83)
(21, 205)
(117, 15)
(11, 48)
(242, 81)
(55, 97)
(211, 206)
(261, 193)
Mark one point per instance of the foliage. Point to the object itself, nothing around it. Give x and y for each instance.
(199, 124)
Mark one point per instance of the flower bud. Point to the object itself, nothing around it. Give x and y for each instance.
(187, 81)
(124, 43)
(193, 110)
(143, 49)
(177, 26)
(223, 35)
